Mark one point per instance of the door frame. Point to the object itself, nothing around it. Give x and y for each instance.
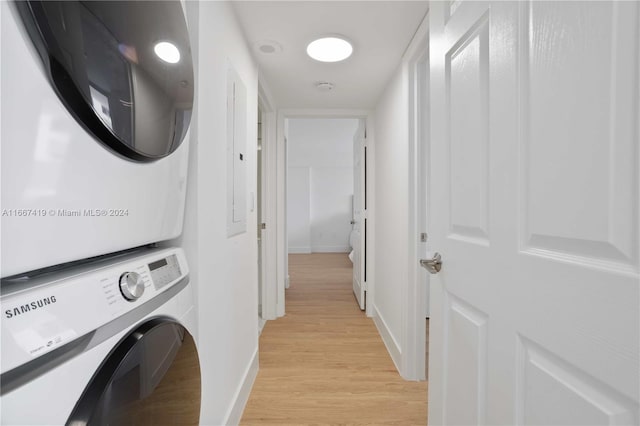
(269, 180)
(282, 261)
(416, 300)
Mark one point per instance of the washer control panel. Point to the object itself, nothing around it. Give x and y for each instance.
(49, 311)
(164, 271)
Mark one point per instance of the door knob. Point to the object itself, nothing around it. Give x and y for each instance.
(353, 222)
(432, 265)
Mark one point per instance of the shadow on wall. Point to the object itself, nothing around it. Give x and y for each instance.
(319, 209)
(329, 235)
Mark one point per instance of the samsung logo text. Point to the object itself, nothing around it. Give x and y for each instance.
(23, 309)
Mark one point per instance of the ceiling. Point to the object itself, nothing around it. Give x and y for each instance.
(379, 31)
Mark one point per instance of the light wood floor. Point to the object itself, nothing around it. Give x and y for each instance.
(324, 362)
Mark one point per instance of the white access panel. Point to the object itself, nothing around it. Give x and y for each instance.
(236, 154)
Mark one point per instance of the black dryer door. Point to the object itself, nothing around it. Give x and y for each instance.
(152, 377)
(122, 68)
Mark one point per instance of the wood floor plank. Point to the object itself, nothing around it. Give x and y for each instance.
(324, 362)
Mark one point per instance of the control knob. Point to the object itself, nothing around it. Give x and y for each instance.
(131, 285)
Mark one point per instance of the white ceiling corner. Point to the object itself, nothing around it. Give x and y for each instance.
(380, 31)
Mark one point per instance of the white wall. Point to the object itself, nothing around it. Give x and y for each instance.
(331, 189)
(299, 210)
(320, 184)
(391, 201)
(223, 270)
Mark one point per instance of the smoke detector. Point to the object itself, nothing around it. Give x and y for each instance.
(324, 86)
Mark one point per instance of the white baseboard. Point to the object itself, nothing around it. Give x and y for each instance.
(392, 345)
(299, 250)
(330, 249)
(234, 415)
(319, 249)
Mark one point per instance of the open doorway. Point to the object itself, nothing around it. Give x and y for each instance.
(325, 190)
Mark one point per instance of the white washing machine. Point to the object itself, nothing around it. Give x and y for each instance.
(103, 343)
(96, 103)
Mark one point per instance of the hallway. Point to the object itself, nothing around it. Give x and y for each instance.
(324, 362)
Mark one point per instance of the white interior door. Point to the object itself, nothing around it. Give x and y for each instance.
(534, 208)
(357, 235)
(261, 211)
(421, 93)
(259, 187)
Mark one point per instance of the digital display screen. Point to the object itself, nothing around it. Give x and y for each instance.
(157, 264)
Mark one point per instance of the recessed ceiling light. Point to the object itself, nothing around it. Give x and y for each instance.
(268, 47)
(167, 51)
(329, 49)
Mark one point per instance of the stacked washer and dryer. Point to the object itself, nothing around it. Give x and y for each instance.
(97, 320)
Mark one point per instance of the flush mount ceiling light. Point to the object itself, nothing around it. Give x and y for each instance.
(167, 51)
(329, 49)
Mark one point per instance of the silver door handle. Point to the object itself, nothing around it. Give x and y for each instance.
(432, 265)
